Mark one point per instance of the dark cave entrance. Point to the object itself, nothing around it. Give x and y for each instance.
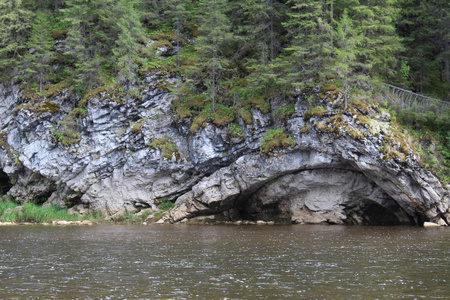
(370, 212)
(5, 183)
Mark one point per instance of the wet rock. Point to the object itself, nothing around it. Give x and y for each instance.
(430, 224)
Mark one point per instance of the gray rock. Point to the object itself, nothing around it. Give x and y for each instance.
(326, 178)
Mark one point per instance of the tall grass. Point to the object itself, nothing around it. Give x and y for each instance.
(38, 214)
(5, 205)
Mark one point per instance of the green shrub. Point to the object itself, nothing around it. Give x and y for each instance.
(166, 205)
(68, 134)
(276, 139)
(317, 111)
(285, 112)
(166, 146)
(137, 128)
(235, 131)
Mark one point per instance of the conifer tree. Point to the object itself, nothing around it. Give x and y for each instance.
(178, 14)
(90, 39)
(215, 33)
(380, 44)
(36, 62)
(127, 43)
(424, 28)
(346, 48)
(259, 32)
(311, 32)
(15, 24)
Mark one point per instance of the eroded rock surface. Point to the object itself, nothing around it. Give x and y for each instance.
(118, 158)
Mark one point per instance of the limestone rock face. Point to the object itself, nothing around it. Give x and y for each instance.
(130, 152)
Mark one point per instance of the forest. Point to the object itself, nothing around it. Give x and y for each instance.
(231, 54)
(225, 44)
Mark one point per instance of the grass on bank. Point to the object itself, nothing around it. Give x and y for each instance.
(133, 217)
(32, 213)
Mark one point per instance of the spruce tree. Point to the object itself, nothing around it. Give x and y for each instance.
(426, 37)
(345, 51)
(215, 34)
(311, 32)
(178, 14)
(127, 43)
(380, 44)
(36, 62)
(15, 24)
(259, 33)
(90, 39)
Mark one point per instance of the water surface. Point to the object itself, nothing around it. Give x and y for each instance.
(224, 262)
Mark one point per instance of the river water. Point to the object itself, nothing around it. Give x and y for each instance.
(224, 262)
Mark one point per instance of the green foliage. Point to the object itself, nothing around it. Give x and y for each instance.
(4, 205)
(433, 149)
(36, 64)
(423, 27)
(317, 111)
(235, 131)
(211, 46)
(137, 127)
(30, 212)
(15, 25)
(221, 116)
(131, 35)
(276, 139)
(309, 52)
(285, 111)
(168, 148)
(166, 205)
(348, 38)
(68, 131)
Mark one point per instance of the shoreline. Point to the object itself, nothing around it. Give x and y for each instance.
(188, 222)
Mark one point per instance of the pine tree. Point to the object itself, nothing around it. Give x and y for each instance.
(311, 32)
(346, 48)
(424, 28)
(127, 43)
(380, 44)
(15, 24)
(178, 14)
(36, 62)
(90, 39)
(215, 34)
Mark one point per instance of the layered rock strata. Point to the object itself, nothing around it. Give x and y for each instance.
(124, 151)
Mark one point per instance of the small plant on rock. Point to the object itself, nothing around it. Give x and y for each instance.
(276, 139)
(317, 111)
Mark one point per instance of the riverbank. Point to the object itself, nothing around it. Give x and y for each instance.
(13, 214)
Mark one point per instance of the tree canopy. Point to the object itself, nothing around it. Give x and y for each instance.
(260, 46)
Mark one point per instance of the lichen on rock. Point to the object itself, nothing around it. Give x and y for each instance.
(325, 165)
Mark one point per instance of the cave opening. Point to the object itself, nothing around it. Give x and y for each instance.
(372, 213)
(5, 183)
(325, 196)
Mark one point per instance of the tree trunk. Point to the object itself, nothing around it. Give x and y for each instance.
(213, 87)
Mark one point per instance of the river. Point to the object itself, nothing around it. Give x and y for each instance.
(224, 262)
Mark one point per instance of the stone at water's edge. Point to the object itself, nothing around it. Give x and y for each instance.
(431, 224)
(328, 177)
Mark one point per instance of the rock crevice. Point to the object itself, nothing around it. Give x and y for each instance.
(123, 151)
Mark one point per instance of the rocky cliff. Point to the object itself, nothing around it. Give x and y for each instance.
(317, 164)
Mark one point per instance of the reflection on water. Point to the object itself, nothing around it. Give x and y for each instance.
(224, 262)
